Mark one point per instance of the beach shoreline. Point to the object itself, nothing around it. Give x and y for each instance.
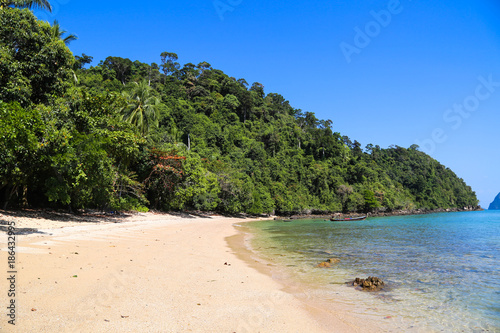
(326, 311)
(427, 289)
(403, 212)
(149, 272)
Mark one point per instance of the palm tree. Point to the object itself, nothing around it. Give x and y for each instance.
(30, 4)
(142, 107)
(57, 33)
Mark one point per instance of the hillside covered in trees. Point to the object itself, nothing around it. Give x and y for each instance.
(125, 135)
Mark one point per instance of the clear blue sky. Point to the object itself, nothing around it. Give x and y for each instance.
(385, 72)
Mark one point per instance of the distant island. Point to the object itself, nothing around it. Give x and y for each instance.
(127, 135)
(495, 205)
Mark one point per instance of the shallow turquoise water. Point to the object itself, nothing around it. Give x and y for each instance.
(442, 270)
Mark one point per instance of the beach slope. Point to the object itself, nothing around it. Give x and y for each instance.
(146, 273)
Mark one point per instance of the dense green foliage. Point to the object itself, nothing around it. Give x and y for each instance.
(129, 135)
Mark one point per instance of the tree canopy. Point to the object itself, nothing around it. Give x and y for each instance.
(130, 135)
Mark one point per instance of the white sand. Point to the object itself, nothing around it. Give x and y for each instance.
(150, 273)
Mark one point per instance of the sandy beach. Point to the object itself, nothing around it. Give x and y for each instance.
(150, 273)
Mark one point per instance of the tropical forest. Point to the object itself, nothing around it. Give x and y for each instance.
(123, 135)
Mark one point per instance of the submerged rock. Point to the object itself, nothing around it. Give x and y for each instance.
(371, 283)
(333, 260)
(328, 263)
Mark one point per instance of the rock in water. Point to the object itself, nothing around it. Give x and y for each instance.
(333, 260)
(323, 264)
(328, 263)
(495, 205)
(371, 283)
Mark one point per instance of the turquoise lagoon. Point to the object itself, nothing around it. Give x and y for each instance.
(442, 271)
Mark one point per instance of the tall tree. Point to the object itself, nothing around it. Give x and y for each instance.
(169, 63)
(121, 66)
(57, 33)
(81, 61)
(344, 191)
(142, 107)
(21, 132)
(34, 67)
(258, 88)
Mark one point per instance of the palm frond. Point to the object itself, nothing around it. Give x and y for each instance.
(57, 33)
(142, 109)
(68, 39)
(30, 4)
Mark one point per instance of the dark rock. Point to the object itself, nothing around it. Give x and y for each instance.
(333, 260)
(371, 283)
(495, 205)
(357, 282)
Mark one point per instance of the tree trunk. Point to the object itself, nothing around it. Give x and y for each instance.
(25, 196)
(8, 196)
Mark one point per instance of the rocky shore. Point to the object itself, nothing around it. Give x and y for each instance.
(382, 213)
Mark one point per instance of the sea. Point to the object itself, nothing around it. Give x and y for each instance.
(441, 271)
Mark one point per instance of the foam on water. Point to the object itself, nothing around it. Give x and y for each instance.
(442, 271)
